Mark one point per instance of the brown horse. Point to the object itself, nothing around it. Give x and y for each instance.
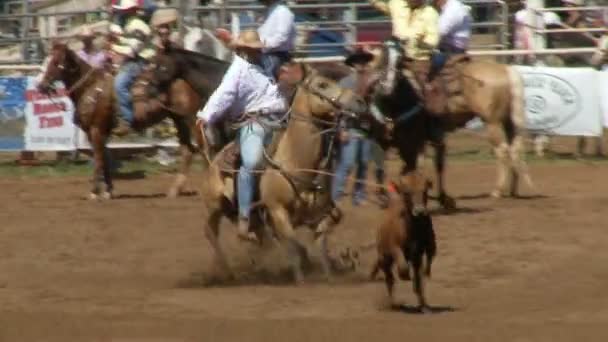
(493, 92)
(290, 190)
(92, 92)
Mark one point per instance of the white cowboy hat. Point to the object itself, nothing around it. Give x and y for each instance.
(164, 16)
(86, 31)
(551, 18)
(126, 4)
(249, 39)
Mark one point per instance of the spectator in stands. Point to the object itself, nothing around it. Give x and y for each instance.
(600, 57)
(89, 53)
(164, 22)
(574, 18)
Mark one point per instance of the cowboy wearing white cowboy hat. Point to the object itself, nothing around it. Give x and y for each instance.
(164, 22)
(246, 89)
(133, 44)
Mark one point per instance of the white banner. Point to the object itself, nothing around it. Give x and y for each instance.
(603, 93)
(562, 101)
(49, 125)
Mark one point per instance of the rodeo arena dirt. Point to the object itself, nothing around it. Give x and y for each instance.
(140, 266)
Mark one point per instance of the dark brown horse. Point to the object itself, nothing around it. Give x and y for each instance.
(92, 92)
(490, 91)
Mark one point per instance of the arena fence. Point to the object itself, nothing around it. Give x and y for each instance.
(347, 19)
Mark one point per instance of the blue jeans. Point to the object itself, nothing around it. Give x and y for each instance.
(122, 84)
(354, 153)
(377, 155)
(438, 60)
(252, 139)
(272, 61)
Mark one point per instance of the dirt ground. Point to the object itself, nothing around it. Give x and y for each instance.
(138, 268)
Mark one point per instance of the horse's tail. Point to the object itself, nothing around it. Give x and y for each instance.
(518, 113)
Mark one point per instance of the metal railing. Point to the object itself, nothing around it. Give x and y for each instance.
(347, 23)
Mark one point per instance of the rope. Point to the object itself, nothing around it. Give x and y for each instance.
(314, 171)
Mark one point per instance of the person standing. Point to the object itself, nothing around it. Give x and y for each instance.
(356, 147)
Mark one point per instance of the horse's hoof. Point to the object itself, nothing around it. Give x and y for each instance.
(106, 195)
(249, 237)
(447, 202)
(93, 196)
(172, 193)
(424, 309)
(496, 194)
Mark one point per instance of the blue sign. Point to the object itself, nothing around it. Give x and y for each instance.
(12, 112)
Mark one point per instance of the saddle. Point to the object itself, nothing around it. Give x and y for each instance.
(444, 93)
(229, 160)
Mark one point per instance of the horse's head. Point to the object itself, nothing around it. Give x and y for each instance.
(325, 98)
(61, 65)
(414, 188)
(165, 69)
(388, 64)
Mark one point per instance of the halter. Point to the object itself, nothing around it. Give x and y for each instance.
(79, 82)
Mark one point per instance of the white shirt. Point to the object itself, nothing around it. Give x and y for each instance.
(455, 25)
(244, 89)
(278, 31)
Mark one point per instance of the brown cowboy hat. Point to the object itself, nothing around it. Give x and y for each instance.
(358, 56)
(249, 39)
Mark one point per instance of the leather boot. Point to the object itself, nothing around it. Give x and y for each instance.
(122, 127)
(243, 232)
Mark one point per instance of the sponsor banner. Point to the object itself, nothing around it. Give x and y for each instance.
(12, 113)
(33, 121)
(49, 125)
(562, 101)
(603, 89)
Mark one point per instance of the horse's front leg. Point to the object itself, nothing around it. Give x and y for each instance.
(97, 144)
(107, 172)
(186, 153)
(446, 201)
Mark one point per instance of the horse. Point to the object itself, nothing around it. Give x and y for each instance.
(92, 92)
(490, 91)
(283, 195)
(294, 188)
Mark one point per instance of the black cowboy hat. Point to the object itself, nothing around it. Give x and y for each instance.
(358, 56)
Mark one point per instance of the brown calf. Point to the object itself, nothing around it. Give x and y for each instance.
(406, 235)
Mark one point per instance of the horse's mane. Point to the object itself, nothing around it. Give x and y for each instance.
(198, 58)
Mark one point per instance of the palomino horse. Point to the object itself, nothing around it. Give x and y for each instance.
(284, 192)
(92, 92)
(290, 190)
(493, 92)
